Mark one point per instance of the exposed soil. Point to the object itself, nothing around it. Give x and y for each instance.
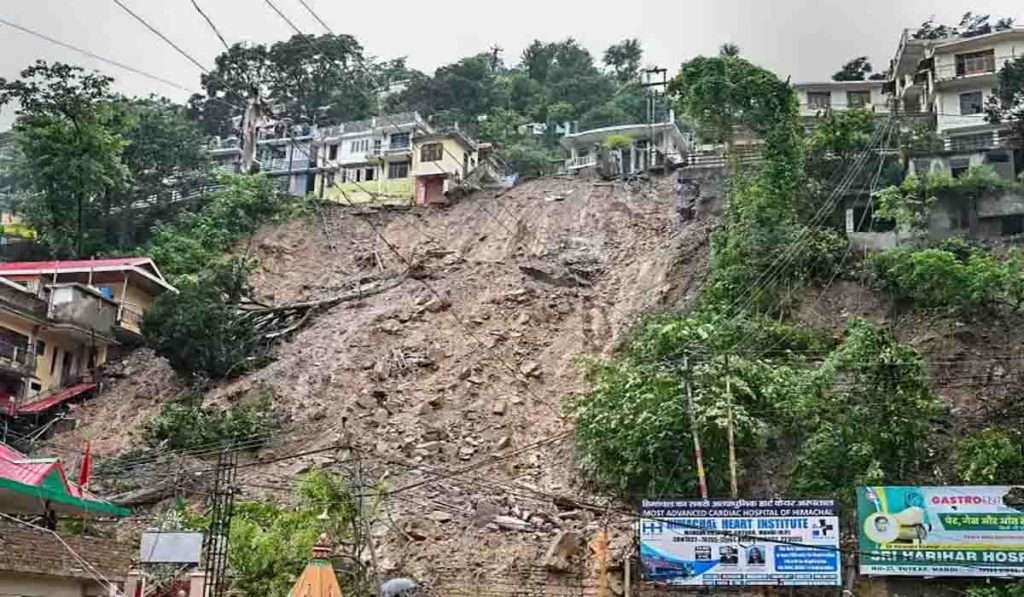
(472, 356)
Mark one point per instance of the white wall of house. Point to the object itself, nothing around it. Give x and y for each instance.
(951, 112)
(981, 60)
(813, 101)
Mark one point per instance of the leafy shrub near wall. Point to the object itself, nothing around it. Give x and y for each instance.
(990, 457)
(953, 276)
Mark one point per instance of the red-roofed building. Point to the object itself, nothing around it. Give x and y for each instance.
(41, 486)
(58, 319)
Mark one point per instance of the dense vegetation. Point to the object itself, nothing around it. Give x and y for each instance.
(186, 423)
(833, 412)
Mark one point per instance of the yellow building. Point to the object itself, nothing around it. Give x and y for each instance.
(440, 162)
(396, 159)
(59, 320)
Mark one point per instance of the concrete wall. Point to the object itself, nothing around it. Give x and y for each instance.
(76, 305)
(27, 585)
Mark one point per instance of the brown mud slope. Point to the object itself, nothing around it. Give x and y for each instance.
(469, 358)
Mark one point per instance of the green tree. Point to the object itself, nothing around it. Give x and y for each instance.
(869, 417)
(201, 331)
(624, 59)
(990, 457)
(1008, 104)
(856, 69)
(271, 543)
(605, 115)
(69, 153)
(306, 79)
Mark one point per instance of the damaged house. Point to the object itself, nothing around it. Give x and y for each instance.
(650, 146)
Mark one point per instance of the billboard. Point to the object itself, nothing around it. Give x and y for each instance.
(776, 542)
(941, 531)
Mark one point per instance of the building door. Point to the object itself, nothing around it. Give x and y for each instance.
(627, 165)
(66, 369)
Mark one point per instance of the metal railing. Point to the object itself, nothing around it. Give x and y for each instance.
(579, 162)
(980, 142)
(130, 318)
(709, 159)
(285, 164)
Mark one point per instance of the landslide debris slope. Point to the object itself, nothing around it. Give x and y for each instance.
(468, 358)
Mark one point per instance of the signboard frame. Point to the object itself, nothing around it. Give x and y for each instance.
(941, 531)
(726, 542)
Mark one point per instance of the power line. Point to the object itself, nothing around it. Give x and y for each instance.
(310, 10)
(94, 56)
(274, 7)
(161, 36)
(210, 23)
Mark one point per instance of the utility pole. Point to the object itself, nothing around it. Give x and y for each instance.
(698, 455)
(221, 506)
(732, 441)
(654, 87)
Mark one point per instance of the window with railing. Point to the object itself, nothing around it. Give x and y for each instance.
(971, 103)
(858, 99)
(431, 152)
(400, 141)
(819, 100)
(398, 170)
(976, 63)
(14, 352)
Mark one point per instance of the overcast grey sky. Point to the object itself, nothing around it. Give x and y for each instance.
(805, 39)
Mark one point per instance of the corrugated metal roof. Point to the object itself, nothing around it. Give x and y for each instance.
(54, 399)
(74, 264)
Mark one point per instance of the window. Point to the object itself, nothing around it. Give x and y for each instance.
(344, 176)
(970, 103)
(400, 141)
(398, 170)
(369, 174)
(997, 157)
(1012, 225)
(959, 167)
(431, 152)
(360, 146)
(963, 218)
(35, 386)
(819, 100)
(858, 99)
(332, 152)
(976, 63)
(40, 348)
(376, 145)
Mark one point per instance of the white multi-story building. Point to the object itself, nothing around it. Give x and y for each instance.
(950, 81)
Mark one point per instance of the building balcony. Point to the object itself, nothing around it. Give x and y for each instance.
(399, 152)
(84, 311)
(285, 165)
(18, 360)
(129, 321)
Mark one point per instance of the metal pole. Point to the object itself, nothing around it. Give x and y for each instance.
(732, 442)
(698, 455)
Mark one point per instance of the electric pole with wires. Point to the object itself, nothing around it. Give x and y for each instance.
(220, 509)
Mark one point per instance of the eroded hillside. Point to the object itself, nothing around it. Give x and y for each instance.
(470, 357)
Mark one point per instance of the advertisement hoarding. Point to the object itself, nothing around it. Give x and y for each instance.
(778, 542)
(941, 531)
